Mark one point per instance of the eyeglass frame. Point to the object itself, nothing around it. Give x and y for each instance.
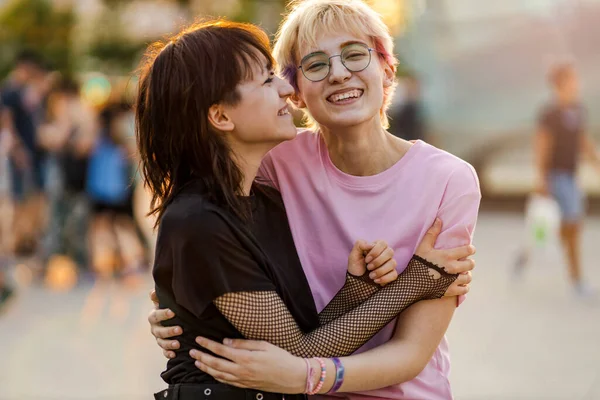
(370, 49)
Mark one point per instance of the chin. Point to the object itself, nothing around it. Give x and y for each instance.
(285, 136)
(349, 120)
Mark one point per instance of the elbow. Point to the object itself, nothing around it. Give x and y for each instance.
(415, 369)
(415, 364)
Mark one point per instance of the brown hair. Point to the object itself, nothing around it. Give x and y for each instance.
(180, 80)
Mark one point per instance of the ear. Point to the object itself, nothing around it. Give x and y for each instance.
(389, 75)
(218, 118)
(297, 101)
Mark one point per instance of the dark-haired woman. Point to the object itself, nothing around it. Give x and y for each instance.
(209, 108)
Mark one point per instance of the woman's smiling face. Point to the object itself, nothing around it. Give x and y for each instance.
(343, 98)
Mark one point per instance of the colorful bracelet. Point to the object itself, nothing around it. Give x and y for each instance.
(339, 375)
(309, 374)
(321, 379)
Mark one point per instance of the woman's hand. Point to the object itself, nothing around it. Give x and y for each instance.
(376, 257)
(453, 261)
(252, 364)
(163, 334)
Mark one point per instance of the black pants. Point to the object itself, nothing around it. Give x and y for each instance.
(218, 391)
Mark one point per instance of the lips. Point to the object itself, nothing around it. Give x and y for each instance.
(340, 96)
(283, 111)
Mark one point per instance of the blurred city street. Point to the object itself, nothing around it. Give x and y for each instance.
(527, 339)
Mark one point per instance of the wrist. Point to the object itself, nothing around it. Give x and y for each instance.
(329, 376)
(298, 381)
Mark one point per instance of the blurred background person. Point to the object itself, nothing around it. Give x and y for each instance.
(407, 118)
(562, 138)
(23, 99)
(68, 137)
(6, 209)
(115, 246)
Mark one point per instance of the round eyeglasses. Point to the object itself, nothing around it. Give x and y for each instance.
(355, 57)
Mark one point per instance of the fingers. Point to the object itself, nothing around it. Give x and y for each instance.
(165, 332)
(362, 246)
(167, 344)
(358, 250)
(385, 256)
(225, 368)
(455, 290)
(461, 252)
(216, 373)
(219, 349)
(460, 286)
(376, 251)
(154, 297)
(243, 344)
(157, 316)
(459, 267)
(387, 278)
(431, 235)
(464, 279)
(385, 269)
(169, 354)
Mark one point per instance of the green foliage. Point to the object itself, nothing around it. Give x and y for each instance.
(116, 54)
(36, 25)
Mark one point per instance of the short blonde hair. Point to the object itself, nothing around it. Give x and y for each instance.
(306, 19)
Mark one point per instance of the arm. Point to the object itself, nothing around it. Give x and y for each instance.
(420, 329)
(542, 146)
(230, 277)
(356, 290)
(589, 149)
(264, 316)
(15, 147)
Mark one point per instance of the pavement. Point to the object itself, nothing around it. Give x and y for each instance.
(526, 338)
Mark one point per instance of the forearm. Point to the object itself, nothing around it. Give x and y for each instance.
(419, 331)
(355, 291)
(542, 153)
(589, 149)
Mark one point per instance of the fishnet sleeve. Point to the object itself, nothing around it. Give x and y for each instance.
(263, 315)
(356, 290)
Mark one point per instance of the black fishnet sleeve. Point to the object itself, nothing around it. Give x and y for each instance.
(356, 290)
(262, 315)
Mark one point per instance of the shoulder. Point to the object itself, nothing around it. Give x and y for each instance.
(547, 111)
(9, 95)
(191, 215)
(446, 166)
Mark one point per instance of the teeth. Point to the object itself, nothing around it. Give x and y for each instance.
(283, 112)
(343, 96)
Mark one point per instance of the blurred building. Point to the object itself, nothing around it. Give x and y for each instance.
(483, 66)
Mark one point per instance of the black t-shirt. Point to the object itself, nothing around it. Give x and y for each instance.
(565, 125)
(23, 117)
(74, 166)
(204, 252)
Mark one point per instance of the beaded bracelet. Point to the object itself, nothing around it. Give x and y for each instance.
(339, 375)
(321, 379)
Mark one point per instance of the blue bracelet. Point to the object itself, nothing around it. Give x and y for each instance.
(339, 375)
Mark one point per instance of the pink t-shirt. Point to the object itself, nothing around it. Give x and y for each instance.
(328, 210)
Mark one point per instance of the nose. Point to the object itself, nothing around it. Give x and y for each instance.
(337, 71)
(285, 89)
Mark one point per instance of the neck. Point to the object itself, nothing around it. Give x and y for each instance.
(365, 149)
(248, 160)
(565, 100)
